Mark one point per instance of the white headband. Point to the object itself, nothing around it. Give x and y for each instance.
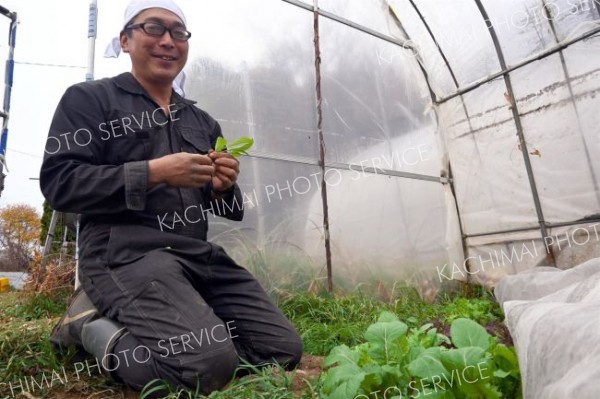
(137, 6)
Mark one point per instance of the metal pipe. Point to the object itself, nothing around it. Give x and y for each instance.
(506, 70)
(588, 157)
(408, 46)
(492, 233)
(519, 126)
(10, 15)
(351, 167)
(402, 43)
(468, 118)
(92, 33)
(8, 82)
(77, 282)
(523, 229)
(49, 239)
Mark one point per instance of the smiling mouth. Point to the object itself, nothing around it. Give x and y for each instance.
(166, 58)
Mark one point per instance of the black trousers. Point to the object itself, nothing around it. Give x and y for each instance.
(192, 315)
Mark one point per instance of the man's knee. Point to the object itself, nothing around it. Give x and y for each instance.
(284, 351)
(210, 372)
(294, 350)
(206, 371)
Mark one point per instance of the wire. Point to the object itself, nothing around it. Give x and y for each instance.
(24, 153)
(49, 65)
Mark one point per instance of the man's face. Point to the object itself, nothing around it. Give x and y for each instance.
(155, 59)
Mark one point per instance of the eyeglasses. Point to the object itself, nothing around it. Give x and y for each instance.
(158, 30)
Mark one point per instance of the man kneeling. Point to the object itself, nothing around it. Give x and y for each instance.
(155, 304)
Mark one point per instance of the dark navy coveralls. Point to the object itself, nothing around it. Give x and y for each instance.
(144, 256)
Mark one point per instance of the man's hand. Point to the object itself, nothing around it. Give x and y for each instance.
(181, 170)
(227, 169)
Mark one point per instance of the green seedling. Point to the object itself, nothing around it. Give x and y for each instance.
(413, 363)
(236, 148)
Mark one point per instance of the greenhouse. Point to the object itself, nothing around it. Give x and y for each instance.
(404, 146)
(431, 141)
(442, 133)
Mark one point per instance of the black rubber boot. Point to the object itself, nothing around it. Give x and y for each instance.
(100, 336)
(66, 333)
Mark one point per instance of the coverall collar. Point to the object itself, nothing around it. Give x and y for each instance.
(127, 82)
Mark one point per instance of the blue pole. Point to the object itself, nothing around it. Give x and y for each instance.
(8, 83)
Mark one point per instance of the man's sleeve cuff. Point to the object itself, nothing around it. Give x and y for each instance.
(136, 184)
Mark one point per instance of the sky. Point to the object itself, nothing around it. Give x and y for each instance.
(55, 32)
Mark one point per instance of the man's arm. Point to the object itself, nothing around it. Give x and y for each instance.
(73, 177)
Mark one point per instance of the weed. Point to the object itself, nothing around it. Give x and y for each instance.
(324, 321)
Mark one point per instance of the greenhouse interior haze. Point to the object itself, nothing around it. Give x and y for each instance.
(457, 140)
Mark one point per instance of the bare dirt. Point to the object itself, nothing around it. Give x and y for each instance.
(309, 369)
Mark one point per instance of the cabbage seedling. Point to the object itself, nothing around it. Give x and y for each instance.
(236, 148)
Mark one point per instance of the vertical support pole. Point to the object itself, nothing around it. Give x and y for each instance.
(322, 149)
(434, 101)
(92, 32)
(49, 239)
(519, 126)
(8, 82)
(584, 141)
(77, 282)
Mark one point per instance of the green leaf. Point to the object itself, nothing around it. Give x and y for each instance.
(341, 355)
(384, 333)
(414, 352)
(372, 380)
(238, 147)
(241, 144)
(465, 333)
(459, 359)
(428, 364)
(235, 148)
(481, 389)
(435, 393)
(442, 339)
(501, 373)
(383, 337)
(343, 382)
(394, 376)
(470, 372)
(506, 360)
(221, 144)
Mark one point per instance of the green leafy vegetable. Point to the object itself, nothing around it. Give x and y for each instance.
(236, 147)
(221, 144)
(415, 363)
(467, 333)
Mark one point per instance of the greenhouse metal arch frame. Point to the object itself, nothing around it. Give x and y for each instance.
(488, 215)
(505, 73)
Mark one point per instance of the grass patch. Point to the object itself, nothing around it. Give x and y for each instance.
(323, 321)
(327, 321)
(27, 306)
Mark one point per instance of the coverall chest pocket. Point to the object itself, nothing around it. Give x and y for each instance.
(195, 141)
(135, 146)
(126, 142)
